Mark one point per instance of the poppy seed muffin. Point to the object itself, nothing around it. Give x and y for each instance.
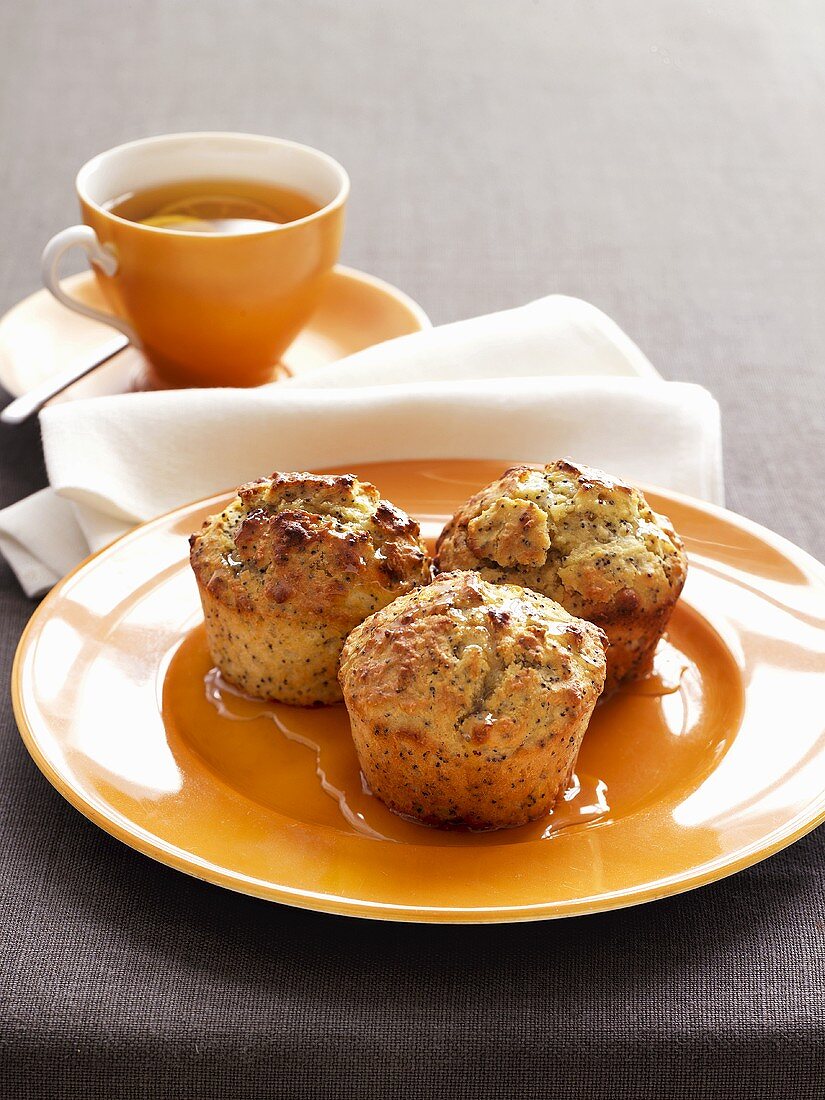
(584, 538)
(289, 568)
(468, 701)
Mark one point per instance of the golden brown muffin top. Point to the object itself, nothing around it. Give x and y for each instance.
(572, 531)
(314, 543)
(472, 667)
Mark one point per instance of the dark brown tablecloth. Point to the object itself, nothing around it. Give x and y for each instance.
(663, 160)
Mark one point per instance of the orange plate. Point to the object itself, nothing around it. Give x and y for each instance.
(713, 763)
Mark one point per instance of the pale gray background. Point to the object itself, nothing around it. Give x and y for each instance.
(664, 160)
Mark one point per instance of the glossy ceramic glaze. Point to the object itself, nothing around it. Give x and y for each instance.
(208, 309)
(715, 761)
(39, 337)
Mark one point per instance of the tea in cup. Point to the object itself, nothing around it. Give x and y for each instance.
(210, 249)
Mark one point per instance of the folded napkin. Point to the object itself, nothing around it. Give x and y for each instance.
(551, 379)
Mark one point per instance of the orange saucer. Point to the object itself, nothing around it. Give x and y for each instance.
(714, 762)
(39, 337)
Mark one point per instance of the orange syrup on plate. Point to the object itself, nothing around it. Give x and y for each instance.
(301, 762)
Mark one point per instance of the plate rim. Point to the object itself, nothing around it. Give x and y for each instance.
(138, 839)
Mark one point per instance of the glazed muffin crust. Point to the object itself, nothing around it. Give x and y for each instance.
(582, 537)
(469, 700)
(289, 568)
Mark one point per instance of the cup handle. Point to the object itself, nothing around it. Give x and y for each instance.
(103, 256)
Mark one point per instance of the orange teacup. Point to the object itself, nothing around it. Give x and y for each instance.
(206, 308)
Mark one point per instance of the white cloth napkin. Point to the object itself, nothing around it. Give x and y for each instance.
(551, 379)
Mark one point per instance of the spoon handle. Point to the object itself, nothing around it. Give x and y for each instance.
(32, 402)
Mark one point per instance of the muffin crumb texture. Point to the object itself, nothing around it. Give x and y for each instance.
(289, 567)
(469, 700)
(585, 539)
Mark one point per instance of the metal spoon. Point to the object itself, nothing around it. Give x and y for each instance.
(29, 404)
